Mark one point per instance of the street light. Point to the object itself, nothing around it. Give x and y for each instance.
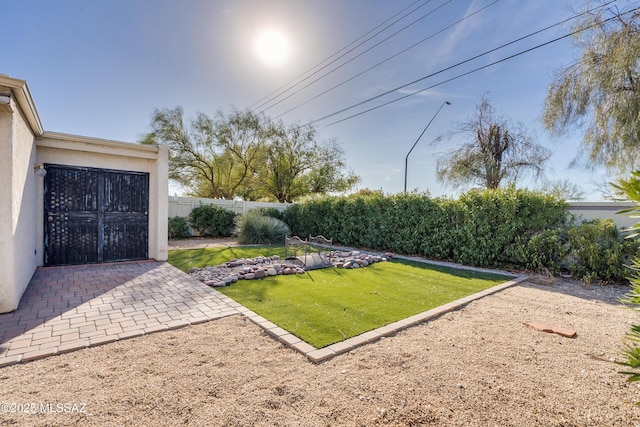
(406, 159)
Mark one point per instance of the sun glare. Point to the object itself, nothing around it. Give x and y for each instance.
(272, 48)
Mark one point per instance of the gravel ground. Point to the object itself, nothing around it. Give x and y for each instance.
(479, 366)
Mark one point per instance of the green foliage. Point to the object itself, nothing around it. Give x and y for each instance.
(490, 228)
(211, 220)
(247, 155)
(295, 164)
(631, 188)
(544, 251)
(254, 228)
(271, 212)
(211, 156)
(480, 228)
(600, 251)
(599, 91)
(178, 228)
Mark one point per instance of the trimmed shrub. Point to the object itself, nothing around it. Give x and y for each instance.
(480, 228)
(253, 228)
(178, 228)
(211, 220)
(493, 221)
(599, 251)
(544, 251)
(501, 228)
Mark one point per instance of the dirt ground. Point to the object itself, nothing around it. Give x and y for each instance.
(479, 366)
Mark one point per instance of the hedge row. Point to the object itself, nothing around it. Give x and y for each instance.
(496, 228)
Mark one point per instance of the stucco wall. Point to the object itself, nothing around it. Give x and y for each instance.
(89, 152)
(18, 214)
(603, 210)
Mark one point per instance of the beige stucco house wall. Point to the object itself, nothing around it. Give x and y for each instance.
(24, 146)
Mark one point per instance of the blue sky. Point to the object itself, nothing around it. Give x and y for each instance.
(100, 68)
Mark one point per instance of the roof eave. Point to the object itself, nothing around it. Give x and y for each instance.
(23, 97)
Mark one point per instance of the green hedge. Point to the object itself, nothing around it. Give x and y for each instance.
(492, 228)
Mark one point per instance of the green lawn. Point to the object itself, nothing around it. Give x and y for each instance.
(185, 259)
(331, 305)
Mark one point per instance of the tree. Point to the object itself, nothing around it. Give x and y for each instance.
(563, 190)
(295, 164)
(246, 155)
(601, 89)
(495, 152)
(211, 157)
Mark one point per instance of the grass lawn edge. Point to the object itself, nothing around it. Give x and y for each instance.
(318, 355)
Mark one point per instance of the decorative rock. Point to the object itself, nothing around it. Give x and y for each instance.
(259, 267)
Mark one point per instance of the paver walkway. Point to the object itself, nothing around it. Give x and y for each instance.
(68, 308)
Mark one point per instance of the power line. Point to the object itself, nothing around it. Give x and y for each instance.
(336, 53)
(456, 65)
(389, 58)
(360, 54)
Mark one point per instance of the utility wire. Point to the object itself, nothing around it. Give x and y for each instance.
(360, 54)
(336, 53)
(389, 58)
(460, 75)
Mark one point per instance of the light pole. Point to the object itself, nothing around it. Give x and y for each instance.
(406, 159)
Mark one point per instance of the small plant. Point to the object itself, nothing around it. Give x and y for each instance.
(210, 220)
(178, 228)
(253, 228)
(631, 353)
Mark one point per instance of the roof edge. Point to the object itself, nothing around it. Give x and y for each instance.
(100, 141)
(21, 91)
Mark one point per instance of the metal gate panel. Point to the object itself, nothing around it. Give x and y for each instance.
(95, 215)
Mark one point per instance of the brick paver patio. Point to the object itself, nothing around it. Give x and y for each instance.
(68, 308)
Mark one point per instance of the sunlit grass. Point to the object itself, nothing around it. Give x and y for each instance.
(330, 305)
(185, 259)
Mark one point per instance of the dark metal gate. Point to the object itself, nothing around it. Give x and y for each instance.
(95, 215)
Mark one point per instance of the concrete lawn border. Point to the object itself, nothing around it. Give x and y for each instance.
(318, 355)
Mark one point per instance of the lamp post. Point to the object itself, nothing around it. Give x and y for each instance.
(406, 159)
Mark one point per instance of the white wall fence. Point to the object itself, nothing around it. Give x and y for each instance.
(182, 206)
(603, 210)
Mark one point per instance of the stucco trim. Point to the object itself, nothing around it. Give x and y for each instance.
(96, 145)
(25, 101)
